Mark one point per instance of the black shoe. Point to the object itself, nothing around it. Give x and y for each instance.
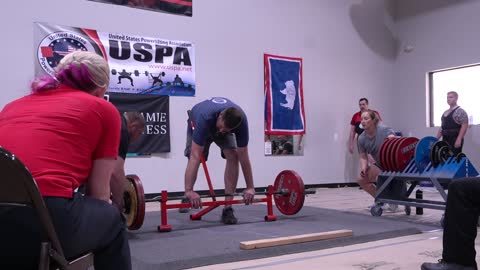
(442, 265)
(184, 210)
(228, 217)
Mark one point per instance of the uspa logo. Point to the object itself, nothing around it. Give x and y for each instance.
(56, 45)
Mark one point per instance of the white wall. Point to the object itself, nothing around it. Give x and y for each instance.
(346, 56)
(443, 34)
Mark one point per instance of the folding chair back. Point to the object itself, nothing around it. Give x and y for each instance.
(19, 189)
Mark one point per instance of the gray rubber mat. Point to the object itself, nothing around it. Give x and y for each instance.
(208, 241)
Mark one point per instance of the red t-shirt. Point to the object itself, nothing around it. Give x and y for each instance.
(58, 134)
(357, 117)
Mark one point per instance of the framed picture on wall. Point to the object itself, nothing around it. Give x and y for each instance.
(284, 145)
(179, 7)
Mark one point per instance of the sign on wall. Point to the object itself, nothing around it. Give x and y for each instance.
(155, 110)
(180, 7)
(138, 64)
(284, 111)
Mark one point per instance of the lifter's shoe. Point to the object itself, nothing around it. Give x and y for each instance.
(184, 210)
(391, 207)
(228, 217)
(442, 265)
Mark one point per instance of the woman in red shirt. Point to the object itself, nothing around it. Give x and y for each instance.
(66, 134)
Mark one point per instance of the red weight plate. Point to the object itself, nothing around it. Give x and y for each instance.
(292, 202)
(381, 154)
(388, 149)
(386, 163)
(136, 198)
(393, 151)
(405, 152)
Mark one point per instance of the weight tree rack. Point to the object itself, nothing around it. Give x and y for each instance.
(392, 185)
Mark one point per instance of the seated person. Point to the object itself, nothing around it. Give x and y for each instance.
(66, 134)
(460, 226)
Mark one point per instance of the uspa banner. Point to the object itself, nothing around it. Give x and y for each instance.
(180, 7)
(155, 110)
(284, 111)
(138, 64)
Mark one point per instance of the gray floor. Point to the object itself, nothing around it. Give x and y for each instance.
(199, 243)
(399, 253)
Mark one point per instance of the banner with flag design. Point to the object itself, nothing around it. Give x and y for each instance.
(284, 109)
(155, 110)
(138, 64)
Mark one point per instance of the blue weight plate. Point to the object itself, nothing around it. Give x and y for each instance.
(422, 152)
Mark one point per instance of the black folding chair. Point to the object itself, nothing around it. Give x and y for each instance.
(19, 189)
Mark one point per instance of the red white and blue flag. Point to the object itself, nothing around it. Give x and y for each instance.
(284, 111)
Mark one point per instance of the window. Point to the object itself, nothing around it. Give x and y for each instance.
(465, 81)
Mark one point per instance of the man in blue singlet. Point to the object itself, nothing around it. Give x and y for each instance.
(221, 121)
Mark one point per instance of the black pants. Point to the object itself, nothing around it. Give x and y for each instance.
(82, 224)
(461, 216)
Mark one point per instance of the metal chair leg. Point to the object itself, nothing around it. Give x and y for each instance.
(44, 262)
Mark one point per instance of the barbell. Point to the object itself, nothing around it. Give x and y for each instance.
(288, 194)
(283, 192)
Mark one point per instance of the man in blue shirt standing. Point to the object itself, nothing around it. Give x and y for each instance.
(221, 121)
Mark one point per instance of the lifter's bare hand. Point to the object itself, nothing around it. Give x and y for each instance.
(364, 172)
(248, 195)
(194, 198)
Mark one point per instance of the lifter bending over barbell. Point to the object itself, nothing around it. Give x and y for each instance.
(133, 124)
(221, 121)
(369, 143)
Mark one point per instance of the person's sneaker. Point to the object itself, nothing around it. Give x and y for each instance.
(385, 206)
(375, 204)
(442, 265)
(184, 210)
(228, 217)
(391, 207)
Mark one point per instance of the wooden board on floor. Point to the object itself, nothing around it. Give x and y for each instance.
(294, 239)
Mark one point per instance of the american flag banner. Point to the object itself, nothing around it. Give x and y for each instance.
(284, 110)
(68, 49)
